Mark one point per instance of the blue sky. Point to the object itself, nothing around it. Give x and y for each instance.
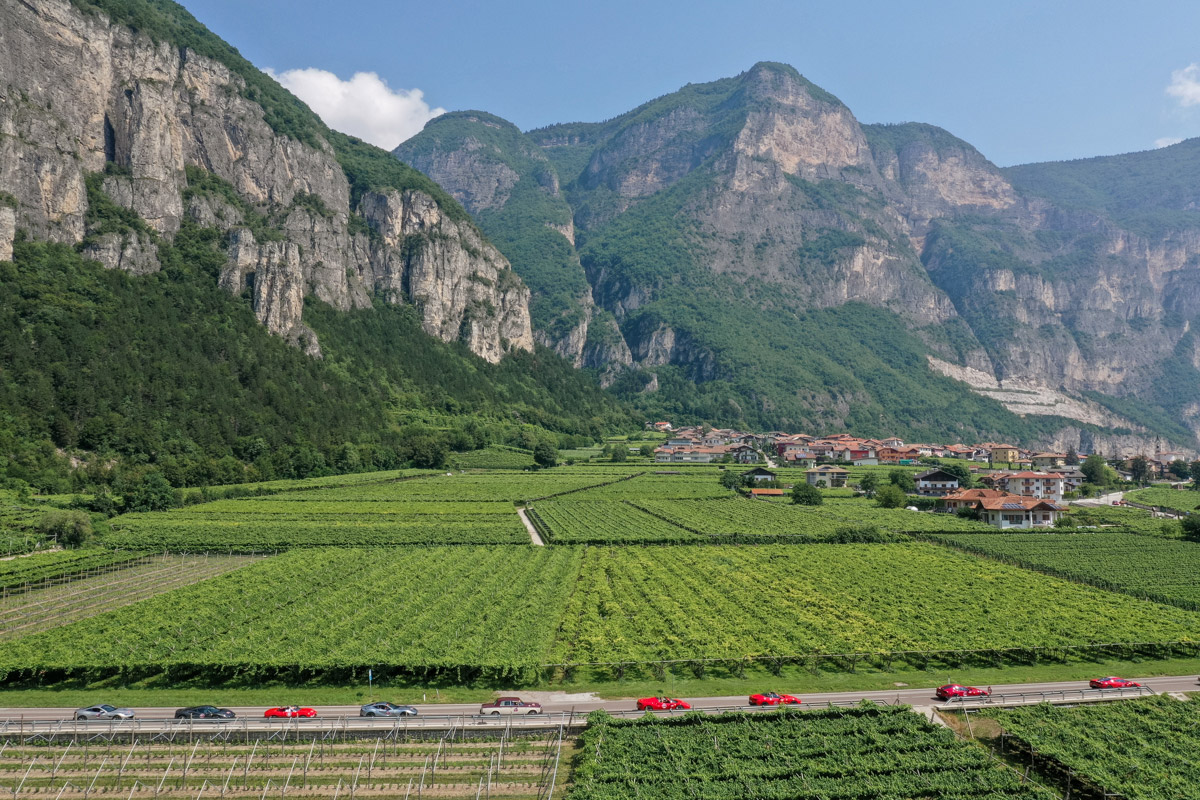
(1022, 81)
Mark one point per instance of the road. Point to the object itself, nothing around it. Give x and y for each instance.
(556, 703)
(1102, 500)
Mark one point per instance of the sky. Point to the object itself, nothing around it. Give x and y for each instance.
(1022, 80)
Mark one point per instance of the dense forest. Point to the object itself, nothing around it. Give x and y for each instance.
(168, 372)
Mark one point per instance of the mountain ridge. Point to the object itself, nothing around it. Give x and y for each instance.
(765, 177)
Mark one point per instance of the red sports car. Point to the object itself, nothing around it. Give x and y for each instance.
(773, 699)
(1112, 683)
(289, 711)
(957, 690)
(660, 704)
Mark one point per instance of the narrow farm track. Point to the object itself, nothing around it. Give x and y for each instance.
(58, 605)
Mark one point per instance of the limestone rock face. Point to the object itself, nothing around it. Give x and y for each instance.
(134, 252)
(490, 167)
(8, 232)
(79, 95)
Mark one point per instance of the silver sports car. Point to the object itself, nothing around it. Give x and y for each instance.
(387, 710)
(104, 712)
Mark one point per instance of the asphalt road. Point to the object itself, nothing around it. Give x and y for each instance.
(1022, 692)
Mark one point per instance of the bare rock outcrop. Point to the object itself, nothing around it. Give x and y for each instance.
(80, 95)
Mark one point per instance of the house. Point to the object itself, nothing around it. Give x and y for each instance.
(658, 426)
(888, 455)
(833, 477)
(1018, 511)
(766, 492)
(936, 483)
(892, 442)
(743, 454)
(1047, 460)
(801, 459)
(1072, 478)
(969, 498)
(759, 474)
(1003, 454)
(1044, 485)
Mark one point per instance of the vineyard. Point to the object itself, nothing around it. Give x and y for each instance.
(1165, 570)
(286, 521)
(104, 589)
(493, 458)
(40, 567)
(639, 606)
(417, 612)
(866, 752)
(1129, 520)
(1178, 499)
(302, 484)
(646, 518)
(393, 766)
(1137, 750)
(605, 522)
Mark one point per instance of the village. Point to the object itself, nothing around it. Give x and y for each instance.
(1008, 486)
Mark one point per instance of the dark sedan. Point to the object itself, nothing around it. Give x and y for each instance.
(204, 712)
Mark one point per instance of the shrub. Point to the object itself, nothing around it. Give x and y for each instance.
(68, 528)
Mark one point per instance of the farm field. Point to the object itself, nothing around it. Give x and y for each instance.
(1165, 570)
(1178, 499)
(1130, 520)
(394, 767)
(464, 612)
(492, 458)
(122, 585)
(286, 521)
(641, 605)
(506, 612)
(302, 484)
(648, 518)
(39, 568)
(854, 753)
(1139, 749)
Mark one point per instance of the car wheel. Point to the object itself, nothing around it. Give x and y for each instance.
(372, 714)
(495, 713)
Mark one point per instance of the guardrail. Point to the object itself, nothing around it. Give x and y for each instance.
(1054, 696)
(341, 727)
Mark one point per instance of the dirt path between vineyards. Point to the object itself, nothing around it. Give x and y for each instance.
(533, 534)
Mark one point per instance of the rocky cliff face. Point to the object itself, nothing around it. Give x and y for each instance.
(79, 95)
(513, 190)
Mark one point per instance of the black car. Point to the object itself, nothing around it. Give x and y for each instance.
(204, 712)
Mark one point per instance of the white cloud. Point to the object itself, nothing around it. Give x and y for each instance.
(1185, 85)
(364, 106)
(1167, 141)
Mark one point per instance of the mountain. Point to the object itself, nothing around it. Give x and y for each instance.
(201, 271)
(512, 190)
(772, 262)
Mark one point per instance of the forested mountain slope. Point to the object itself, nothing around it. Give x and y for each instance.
(203, 273)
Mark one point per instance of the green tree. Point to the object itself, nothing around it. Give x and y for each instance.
(1194, 469)
(805, 495)
(151, 493)
(67, 528)
(1191, 527)
(869, 484)
(1072, 457)
(965, 479)
(427, 451)
(620, 454)
(646, 449)
(545, 454)
(1095, 470)
(730, 479)
(903, 479)
(1139, 469)
(891, 496)
(1179, 469)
